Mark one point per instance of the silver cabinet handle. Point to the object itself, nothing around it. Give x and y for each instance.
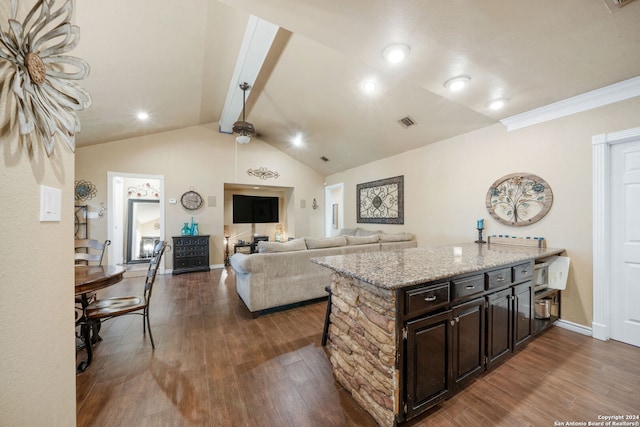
(471, 286)
(430, 299)
(500, 279)
(524, 271)
(457, 319)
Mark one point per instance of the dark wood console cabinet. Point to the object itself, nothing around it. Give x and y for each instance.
(190, 253)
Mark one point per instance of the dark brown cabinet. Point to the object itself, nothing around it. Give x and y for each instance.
(468, 341)
(429, 342)
(190, 253)
(499, 314)
(455, 330)
(509, 317)
(522, 313)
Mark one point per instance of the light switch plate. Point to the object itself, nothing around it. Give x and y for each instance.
(50, 203)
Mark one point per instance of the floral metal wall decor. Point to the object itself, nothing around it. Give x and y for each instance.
(47, 97)
(263, 173)
(382, 201)
(84, 190)
(143, 191)
(519, 199)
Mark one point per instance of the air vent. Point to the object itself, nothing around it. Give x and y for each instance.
(407, 121)
(324, 159)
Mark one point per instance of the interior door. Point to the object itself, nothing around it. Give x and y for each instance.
(625, 242)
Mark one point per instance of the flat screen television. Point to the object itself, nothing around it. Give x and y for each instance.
(255, 209)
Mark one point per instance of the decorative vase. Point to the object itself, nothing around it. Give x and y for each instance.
(194, 229)
(186, 230)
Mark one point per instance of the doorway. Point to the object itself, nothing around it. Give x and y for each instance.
(625, 242)
(616, 236)
(126, 231)
(334, 209)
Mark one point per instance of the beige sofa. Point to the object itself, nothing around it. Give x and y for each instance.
(281, 273)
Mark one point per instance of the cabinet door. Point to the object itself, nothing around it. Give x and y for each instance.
(522, 316)
(428, 362)
(468, 340)
(499, 313)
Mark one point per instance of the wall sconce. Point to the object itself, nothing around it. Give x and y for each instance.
(314, 205)
(102, 209)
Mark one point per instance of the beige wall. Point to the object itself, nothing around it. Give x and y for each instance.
(203, 159)
(445, 185)
(37, 347)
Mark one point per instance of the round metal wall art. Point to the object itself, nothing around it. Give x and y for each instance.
(84, 190)
(519, 199)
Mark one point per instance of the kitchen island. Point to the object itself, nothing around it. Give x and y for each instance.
(409, 328)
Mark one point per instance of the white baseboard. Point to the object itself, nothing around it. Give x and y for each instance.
(575, 327)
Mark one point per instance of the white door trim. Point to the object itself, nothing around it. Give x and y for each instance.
(110, 206)
(601, 150)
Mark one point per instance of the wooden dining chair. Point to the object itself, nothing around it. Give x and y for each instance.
(108, 308)
(90, 250)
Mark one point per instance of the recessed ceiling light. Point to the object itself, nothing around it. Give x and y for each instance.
(143, 115)
(369, 86)
(395, 53)
(457, 83)
(497, 104)
(297, 140)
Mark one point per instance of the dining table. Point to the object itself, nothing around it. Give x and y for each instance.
(89, 279)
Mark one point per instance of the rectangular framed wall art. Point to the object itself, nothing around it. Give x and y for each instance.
(382, 201)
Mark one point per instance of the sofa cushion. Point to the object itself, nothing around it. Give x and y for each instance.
(397, 237)
(362, 240)
(291, 245)
(329, 242)
(348, 231)
(360, 232)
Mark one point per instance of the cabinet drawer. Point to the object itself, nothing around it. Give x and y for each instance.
(422, 300)
(468, 286)
(199, 262)
(522, 272)
(182, 263)
(498, 278)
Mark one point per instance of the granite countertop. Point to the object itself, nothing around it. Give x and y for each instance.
(406, 267)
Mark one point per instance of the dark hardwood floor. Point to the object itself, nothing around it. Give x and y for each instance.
(216, 366)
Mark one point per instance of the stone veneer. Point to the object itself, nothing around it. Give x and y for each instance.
(362, 343)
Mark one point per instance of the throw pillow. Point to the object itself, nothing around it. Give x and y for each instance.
(361, 232)
(398, 237)
(329, 242)
(348, 231)
(291, 245)
(362, 240)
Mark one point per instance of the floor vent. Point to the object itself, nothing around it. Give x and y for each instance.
(406, 122)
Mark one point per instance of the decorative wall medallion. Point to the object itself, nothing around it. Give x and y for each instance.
(48, 99)
(382, 201)
(144, 191)
(84, 190)
(263, 173)
(519, 199)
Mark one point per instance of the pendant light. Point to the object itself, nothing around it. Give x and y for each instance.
(243, 128)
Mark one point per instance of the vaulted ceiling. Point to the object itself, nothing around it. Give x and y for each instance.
(176, 60)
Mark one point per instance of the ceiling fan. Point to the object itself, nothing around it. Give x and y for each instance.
(243, 128)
